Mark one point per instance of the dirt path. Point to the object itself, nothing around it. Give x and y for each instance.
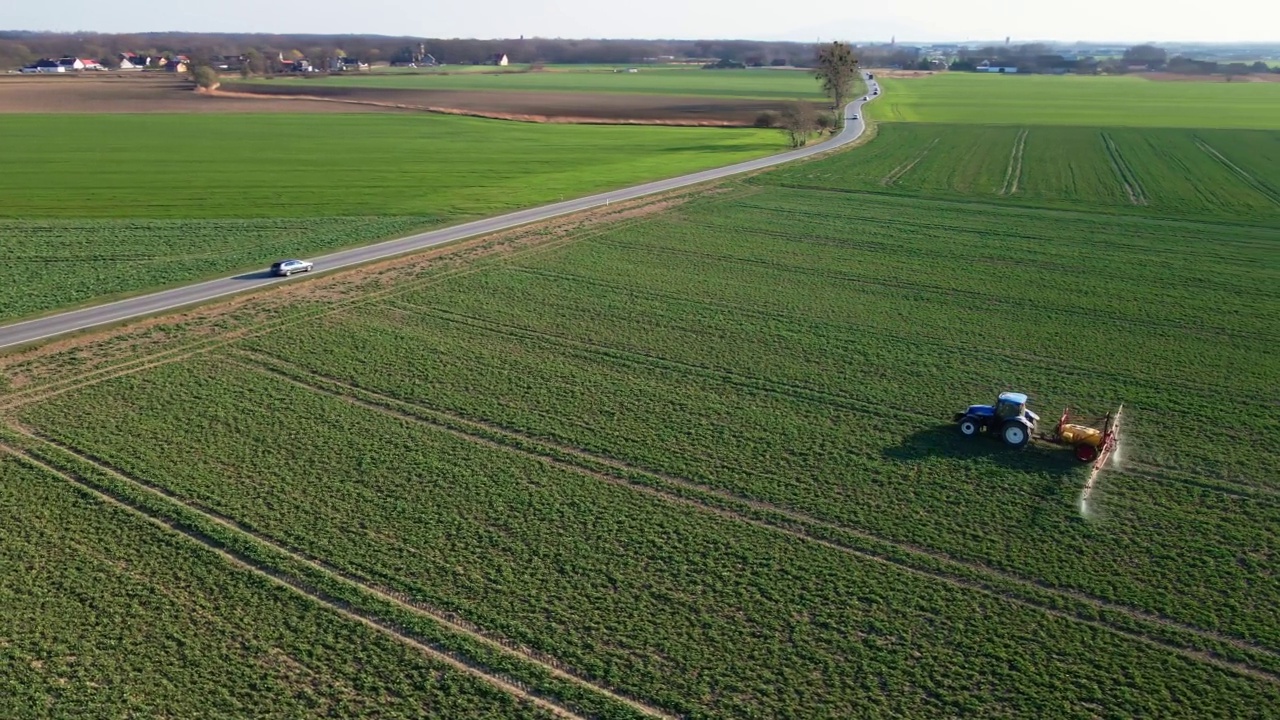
(1124, 172)
(905, 168)
(1248, 179)
(1014, 173)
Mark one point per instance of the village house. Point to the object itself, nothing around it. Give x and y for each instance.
(132, 61)
(347, 64)
(75, 63)
(499, 59)
(44, 66)
(986, 66)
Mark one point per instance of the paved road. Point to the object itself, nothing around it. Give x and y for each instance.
(53, 325)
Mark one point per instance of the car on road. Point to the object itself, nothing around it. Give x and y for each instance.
(854, 116)
(289, 267)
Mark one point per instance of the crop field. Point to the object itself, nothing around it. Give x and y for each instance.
(1236, 172)
(974, 98)
(753, 83)
(108, 614)
(193, 196)
(697, 462)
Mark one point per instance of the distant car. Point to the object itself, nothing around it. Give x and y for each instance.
(864, 97)
(854, 116)
(289, 267)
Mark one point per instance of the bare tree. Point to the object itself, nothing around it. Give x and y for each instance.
(837, 69)
(798, 120)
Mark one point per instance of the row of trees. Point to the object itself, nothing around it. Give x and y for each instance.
(19, 48)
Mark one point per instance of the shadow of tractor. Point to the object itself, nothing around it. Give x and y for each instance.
(946, 441)
(1053, 475)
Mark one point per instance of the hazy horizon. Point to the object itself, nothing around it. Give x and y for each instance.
(925, 22)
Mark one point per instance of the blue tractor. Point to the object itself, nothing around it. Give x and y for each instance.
(1008, 419)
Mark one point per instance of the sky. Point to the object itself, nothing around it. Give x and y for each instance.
(921, 20)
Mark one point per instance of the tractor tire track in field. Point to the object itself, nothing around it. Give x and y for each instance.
(905, 168)
(447, 620)
(1123, 171)
(1014, 173)
(1262, 188)
(1168, 634)
(336, 605)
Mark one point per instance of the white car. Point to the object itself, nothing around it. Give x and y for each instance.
(289, 267)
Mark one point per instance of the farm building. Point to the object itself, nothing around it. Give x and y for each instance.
(499, 59)
(44, 66)
(986, 66)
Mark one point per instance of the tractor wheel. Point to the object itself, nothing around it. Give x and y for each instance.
(1086, 453)
(969, 426)
(1015, 434)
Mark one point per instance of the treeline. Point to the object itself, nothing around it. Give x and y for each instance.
(1041, 58)
(20, 47)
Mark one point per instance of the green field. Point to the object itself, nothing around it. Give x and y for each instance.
(192, 196)
(1232, 174)
(980, 99)
(108, 615)
(753, 83)
(821, 542)
(698, 461)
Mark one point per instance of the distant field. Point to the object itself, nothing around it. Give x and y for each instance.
(1071, 100)
(1236, 172)
(753, 83)
(198, 195)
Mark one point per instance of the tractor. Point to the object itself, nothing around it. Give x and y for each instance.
(1009, 419)
(1091, 441)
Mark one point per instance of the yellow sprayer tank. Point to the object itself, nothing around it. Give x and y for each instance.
(1077, 434)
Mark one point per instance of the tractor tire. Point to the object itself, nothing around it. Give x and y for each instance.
(1015, 434)
(1086, 453)
(969, 426)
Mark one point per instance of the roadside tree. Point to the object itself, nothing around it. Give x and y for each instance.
(799, 121)
(837, 68)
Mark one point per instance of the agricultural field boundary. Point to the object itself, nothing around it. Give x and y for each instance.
(1262, 188)
(1235, 654)
(1014, 173)
(287, 574)
(1124, 172)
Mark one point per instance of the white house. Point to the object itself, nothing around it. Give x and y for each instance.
(986, 66)
(44, 66)
(497, 59)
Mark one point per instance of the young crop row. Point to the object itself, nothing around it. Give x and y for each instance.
(106, 614)
(699, 613)
(56, 263)
(1182, 173)
(1081, 101)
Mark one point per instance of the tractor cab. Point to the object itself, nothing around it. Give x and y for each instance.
(1012, 405)
(1009, 418)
